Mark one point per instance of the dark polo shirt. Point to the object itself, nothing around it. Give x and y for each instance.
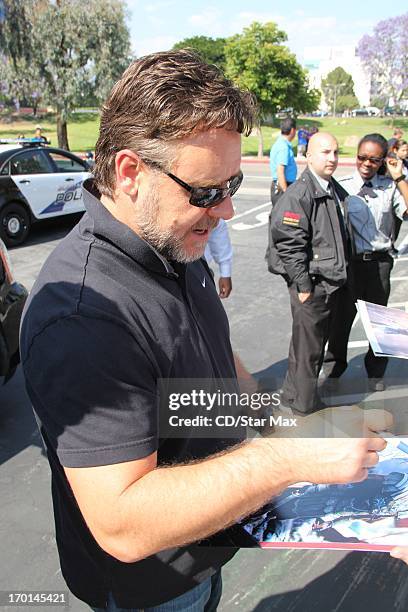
(106, 319)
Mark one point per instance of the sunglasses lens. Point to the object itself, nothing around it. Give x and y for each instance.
(206, 198)
(235, 183)
(374, 160)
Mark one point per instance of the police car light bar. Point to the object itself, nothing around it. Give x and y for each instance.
(24, 141)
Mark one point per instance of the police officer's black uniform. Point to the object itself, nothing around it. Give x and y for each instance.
(311, 247)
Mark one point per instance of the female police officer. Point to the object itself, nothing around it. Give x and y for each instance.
(377, 202)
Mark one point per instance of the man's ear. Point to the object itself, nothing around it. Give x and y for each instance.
(128, 167)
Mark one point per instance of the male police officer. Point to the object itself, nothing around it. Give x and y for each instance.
(124, 301)
(311, 241)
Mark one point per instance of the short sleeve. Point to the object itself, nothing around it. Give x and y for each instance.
(94, 390)
(282, 157)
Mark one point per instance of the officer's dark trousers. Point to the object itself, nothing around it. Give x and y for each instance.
(310, 331)
(370, 282)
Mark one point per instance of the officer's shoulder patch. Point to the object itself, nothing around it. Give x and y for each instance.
(291, 218)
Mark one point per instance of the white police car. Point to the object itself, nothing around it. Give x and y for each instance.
(37, 182)
(12, 299)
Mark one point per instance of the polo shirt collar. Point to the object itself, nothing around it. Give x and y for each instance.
(104, 224)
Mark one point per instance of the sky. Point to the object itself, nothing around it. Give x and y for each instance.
(156, 25)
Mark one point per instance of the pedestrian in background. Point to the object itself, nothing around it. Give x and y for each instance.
(396, 135)
(303, 138)
(38, 135)
(282, 160)
(378, 198)
(400, 150)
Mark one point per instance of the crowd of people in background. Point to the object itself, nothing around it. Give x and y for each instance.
(333, 243)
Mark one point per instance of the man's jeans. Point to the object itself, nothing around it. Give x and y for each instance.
(203, 598)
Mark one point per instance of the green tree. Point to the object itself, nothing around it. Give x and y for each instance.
(338, 83)
(258, 61)
(347, 102)
(379, 101)
(212, 50)
(21, 81)
(71, 47)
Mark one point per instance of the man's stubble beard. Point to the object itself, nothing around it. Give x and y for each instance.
(164, 241)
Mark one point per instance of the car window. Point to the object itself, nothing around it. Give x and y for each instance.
(65, 163)
(6, 169)
(29, 162)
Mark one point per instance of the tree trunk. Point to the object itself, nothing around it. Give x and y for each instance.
(260, 141)
(62, 132)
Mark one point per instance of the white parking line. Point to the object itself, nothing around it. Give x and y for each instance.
(357, 343)
(404, 243)
(399, 278)
(254, 191)
(248, 212)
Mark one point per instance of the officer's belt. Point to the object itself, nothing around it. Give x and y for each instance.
(372, 256)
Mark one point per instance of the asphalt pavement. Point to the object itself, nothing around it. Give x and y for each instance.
(258, 310)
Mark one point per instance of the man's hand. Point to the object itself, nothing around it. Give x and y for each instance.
(333, 446)
(334, 461)
(225, 286)
(304, 296)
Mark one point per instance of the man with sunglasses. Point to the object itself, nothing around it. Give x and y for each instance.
(146, 517)
(378, 200)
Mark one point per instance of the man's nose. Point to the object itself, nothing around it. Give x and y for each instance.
(223, 210)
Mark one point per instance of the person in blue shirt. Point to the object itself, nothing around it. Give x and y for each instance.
(282, 160)
(303, 139)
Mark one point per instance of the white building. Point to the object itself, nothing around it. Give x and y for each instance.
(319, 61)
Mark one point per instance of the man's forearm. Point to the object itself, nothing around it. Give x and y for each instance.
(177, 505)
(281, 177)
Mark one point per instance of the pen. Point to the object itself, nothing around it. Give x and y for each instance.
(394, 441)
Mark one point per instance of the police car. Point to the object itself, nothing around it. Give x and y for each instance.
(12, 299)
(37, 182)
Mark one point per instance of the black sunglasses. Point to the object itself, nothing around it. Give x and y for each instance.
(373, 160)
(206, 197)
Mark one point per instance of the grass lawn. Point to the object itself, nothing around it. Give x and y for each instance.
(83, 130)
(347, 131)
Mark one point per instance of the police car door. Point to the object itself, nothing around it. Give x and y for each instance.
(69, 174)
(32, 173)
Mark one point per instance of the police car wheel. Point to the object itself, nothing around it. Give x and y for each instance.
(14, 224)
